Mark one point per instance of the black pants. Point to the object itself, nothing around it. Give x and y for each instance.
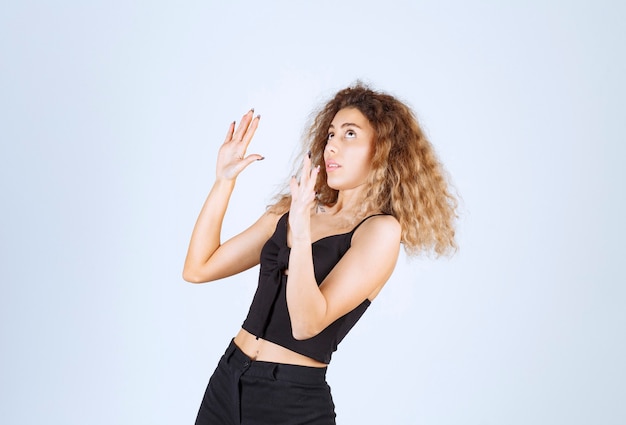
(242, 391)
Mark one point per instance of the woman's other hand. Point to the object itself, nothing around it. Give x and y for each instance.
(231, 158)
(302, 200)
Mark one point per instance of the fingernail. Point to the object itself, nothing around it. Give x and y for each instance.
(258, 116)
(261, 159)
(252, 110)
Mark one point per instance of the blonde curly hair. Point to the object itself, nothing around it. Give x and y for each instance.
(407, 180)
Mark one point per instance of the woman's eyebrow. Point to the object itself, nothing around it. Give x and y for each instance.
(347, 124)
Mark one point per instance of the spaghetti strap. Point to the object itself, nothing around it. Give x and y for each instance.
(364, 220)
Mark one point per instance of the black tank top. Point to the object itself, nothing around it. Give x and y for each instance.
(268, 317)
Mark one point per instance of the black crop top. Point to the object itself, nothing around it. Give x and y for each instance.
(268, 317)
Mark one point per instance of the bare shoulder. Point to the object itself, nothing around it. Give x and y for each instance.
(257, 234)
(367, 265)
(266, 224)
(380, 229)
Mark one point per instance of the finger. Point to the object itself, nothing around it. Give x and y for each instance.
(293, 187)
(309, 186)
(313, 181)
(306, 170)
(253, 158)
(247, 137)
(229, 133)
(243, 163)
(313, 168)
(243, 125)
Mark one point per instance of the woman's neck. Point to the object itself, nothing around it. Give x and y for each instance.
(349, 203)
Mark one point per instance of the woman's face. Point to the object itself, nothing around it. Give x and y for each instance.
(349, 149)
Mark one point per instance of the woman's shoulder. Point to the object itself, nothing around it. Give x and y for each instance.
(267, 223)
(272, 218)
(378, 227)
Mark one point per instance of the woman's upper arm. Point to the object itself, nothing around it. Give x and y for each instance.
(237, 254)
(365, 267)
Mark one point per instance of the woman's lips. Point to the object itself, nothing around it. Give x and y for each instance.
(331, 166)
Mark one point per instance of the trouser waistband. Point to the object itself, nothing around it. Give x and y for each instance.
(277, 371)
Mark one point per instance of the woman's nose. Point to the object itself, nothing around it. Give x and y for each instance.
(330, 147)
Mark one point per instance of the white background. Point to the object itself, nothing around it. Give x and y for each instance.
(111, 114)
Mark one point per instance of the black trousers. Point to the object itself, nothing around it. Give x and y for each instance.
(242, 391)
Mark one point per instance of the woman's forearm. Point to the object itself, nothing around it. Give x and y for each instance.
(305, 302)
(206, 235)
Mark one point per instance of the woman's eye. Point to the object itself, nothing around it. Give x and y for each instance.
(350, 134)
(330, 136)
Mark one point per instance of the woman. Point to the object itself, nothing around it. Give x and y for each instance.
(370, 182)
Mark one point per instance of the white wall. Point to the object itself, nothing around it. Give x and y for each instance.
(110, 117)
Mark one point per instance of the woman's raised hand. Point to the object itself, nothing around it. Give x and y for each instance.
(302, 198)
(231, 158)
